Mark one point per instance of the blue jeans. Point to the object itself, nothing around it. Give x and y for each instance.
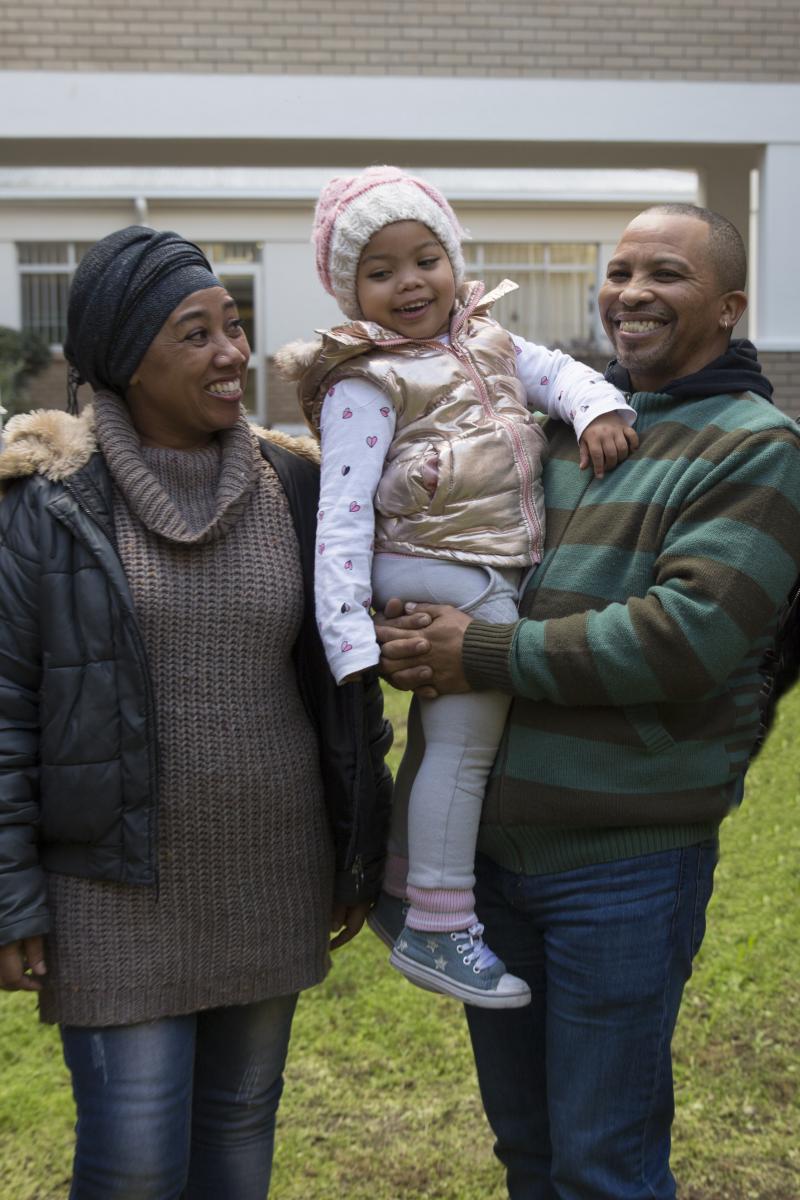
(578, 1086)
(180, 1107)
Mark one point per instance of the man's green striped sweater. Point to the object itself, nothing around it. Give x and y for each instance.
(634, 668)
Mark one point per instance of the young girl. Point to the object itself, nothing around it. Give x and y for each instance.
(431, 490)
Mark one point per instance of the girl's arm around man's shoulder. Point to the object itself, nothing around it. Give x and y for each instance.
(567, 389)
(562, 387)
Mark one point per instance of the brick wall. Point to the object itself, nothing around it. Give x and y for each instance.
(281, 398)
(48, 390)
(783, 369)
(611, 39)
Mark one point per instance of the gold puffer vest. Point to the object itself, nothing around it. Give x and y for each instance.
(460, 409)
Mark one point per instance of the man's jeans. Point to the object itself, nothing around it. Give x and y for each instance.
(181, 1107)
(578, 1086)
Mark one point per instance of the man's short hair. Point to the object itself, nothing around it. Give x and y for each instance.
(725, 242)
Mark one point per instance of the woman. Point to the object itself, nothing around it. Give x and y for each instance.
(187, 803)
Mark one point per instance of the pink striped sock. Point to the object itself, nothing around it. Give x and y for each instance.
(441, 910)
(395, 876)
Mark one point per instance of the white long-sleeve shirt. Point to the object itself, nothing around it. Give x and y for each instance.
(357, 425)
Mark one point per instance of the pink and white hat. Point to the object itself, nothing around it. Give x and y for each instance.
(352, 208)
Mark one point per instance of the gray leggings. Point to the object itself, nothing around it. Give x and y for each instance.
(452, 741)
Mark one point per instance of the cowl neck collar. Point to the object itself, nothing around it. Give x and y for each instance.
(232, 456)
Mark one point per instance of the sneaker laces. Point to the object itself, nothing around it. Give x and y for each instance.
(479, 953)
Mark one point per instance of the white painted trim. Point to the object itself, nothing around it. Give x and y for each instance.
(70, 104)
(473, 185)
(10, 298)
(779, 345)
(778, 248)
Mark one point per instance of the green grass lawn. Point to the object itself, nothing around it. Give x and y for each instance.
(381, 1100)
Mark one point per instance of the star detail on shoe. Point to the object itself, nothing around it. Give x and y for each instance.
(402, 945)
(440, 963)
(432, 944)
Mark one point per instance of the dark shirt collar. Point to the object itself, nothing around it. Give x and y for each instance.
(737, 370)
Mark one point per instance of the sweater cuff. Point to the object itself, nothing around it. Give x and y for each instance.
(486, 655)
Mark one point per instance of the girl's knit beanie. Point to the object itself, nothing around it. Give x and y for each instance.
(352, 208)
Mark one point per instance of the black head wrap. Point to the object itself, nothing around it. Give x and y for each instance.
(124, 289)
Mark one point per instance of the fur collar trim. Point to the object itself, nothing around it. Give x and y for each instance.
(47, 442)
(304, 447)
(55, 444)
(293, 360)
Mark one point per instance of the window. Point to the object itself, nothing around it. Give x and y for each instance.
(238, 265)
(45, 272)
(233, 253)
(555, 304)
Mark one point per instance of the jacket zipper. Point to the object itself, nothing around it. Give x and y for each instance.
(357, 871)
(137, 637)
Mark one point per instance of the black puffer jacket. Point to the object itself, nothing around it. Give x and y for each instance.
(78, 750)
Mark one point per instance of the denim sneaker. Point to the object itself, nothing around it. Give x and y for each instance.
(460, 965)
(387, 917)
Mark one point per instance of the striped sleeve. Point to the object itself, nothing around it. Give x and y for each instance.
(718, 573)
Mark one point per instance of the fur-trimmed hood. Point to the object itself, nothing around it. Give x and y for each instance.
(56, 444)
(293, 360)
(47, 442)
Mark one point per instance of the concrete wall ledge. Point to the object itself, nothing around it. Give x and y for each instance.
(160, 106)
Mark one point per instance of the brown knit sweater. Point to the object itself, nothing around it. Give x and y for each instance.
(245, 860)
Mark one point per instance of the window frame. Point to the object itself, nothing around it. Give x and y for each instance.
(66, 268)
(482, 263)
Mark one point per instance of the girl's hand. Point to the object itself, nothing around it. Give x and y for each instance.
(605, 442)
(22, 965)
(346, 921)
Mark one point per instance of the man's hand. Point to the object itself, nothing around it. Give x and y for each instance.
(22, 965)
(605, 442)
(427, 662)
(346, 921)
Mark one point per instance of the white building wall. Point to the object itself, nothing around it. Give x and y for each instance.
(293, 109)
(293, 302)
(10, 314)
(779, 248)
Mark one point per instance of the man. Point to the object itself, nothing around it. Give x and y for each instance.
(634, 672)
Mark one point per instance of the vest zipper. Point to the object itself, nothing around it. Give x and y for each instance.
(520, 457)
